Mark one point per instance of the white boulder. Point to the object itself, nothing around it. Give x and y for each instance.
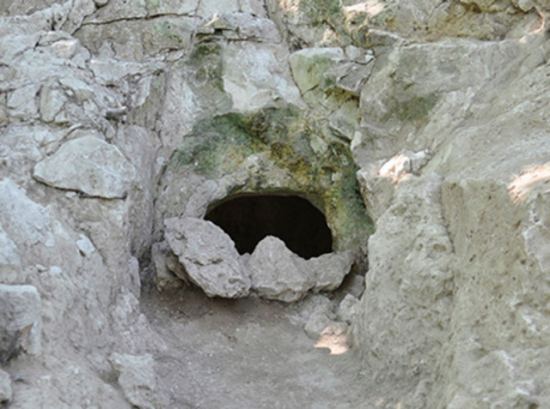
(279, 274)
(208, 255)
(276, 272)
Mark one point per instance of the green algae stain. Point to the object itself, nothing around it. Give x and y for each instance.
(218, 146)
(416, 108)
(167, 33)
(151, 5)
(206, 59)
(322, 11)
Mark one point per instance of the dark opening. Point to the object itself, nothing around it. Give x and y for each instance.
(250, 218)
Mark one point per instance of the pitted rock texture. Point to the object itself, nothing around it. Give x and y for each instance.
(136, 376)
(279, 274)
(275, 271)
(20, 321)
(209, 257)
(329, 270)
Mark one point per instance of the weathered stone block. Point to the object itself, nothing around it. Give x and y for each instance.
(20, 321)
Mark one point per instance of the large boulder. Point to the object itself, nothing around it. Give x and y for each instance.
(276, 272)
(208, 255)
(328, 270)
(20, 321)
(88, 165)
(279, 274)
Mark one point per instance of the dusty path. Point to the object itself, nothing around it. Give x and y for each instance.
(245, 354)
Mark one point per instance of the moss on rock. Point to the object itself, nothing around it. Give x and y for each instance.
(416, 108)
(218, 146)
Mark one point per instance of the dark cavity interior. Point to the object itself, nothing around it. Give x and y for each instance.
(250, 218)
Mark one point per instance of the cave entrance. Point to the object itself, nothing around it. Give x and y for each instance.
(249, 218)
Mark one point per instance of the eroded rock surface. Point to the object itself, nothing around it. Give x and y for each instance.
(117, 115)
(209, 257)
(5, 387)
(276, 272)
(328, 271)
(136, 376)
(20, 321)
(88, 165)
(279, 274)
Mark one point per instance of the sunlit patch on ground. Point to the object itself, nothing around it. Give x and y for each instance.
(370, 7)
(288, 5)
(335, 339)
(529, 178)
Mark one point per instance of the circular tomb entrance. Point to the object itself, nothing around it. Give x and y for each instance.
(249, 218)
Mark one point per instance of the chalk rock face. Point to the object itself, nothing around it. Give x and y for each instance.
(309, 66)
(410, 274)
(169, 273)
(5, 387)
(208, 255)
(279, 274)
(136, 377)
(24, 220)
(254, 79)
(9, 256)
(88, 165)
(20, 321)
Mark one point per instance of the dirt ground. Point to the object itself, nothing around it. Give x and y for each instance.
(245, 354)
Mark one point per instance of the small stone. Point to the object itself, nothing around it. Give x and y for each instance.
(356, 286)
(136, 377)
(5, 387)
(55, 270)
(347, 309)
(85, 246)
(169, 273)
(65, 48)
(315, 313)
(316, 324)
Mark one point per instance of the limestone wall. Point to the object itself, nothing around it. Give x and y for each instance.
(422, 121)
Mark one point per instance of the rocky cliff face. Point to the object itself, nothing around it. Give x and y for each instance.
(419, 128)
